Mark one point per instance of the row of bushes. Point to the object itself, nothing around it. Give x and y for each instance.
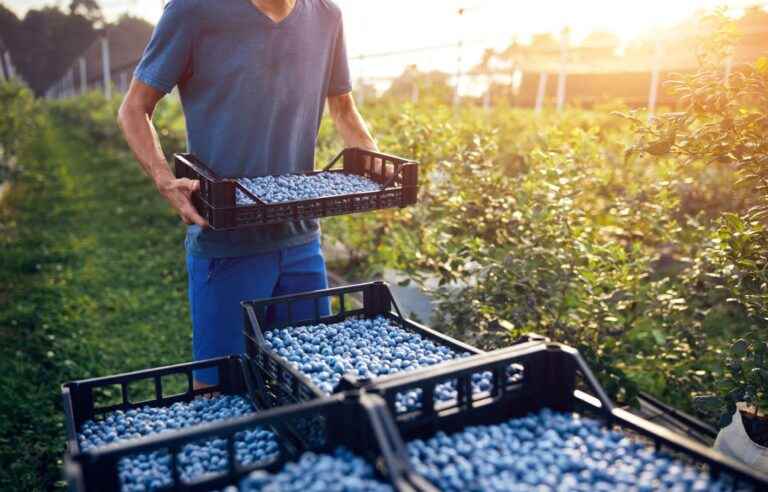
(580, 226)
(20, 122)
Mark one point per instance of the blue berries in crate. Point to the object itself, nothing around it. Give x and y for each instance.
(293, 187)
(122, 425)
(150, 471)
(365, 348)
(551, 451)
(342, 470)
(368, 181)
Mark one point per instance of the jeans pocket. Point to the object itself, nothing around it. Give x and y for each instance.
(216, 266)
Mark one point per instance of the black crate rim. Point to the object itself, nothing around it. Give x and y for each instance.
(253, 334)
(600, 405)
(248, 389)
(396, 470)
(231, 216)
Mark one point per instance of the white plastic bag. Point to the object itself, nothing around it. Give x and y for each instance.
(734, 441)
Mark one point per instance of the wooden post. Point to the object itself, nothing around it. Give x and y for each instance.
(728, 70)
(124, 81)
(541, 92)
(653, 92)
(83, 76)
(361, 83)
(3, 77)
(456, 95)
(414, 92)
(9, 65)
(562, 77)
(106, 72)
(487, 95)
(71, 82)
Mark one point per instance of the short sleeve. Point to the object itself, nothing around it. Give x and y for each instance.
(340, 83)
(168, 57)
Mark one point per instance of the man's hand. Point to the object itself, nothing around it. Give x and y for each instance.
(178, 192)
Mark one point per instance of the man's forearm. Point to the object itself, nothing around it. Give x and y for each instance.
(142, 138)
(350, 124)
(135, 119)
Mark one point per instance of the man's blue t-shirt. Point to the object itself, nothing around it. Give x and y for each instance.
(253, 93)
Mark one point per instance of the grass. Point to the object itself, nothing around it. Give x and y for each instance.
(92, 282)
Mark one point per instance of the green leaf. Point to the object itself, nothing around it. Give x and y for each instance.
(658, 336)
(659, 147)
(762, 64)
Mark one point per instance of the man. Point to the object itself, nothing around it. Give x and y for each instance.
(253, 76)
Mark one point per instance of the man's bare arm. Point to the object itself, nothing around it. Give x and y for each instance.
(350, 123)
(135, 119)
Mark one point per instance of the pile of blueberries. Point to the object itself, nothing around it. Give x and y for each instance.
(551, 451)
(293, 187)
(365, 348)
(151, 471)
(342, 470)
(123, 425)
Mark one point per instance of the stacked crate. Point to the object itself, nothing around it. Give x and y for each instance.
(529, 383)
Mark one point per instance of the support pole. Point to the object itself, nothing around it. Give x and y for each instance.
(728, 70)
(487, 95)
(541, 92)
(124, 81)
(83, 76)
(562, 77)
(360, 83)
(9, 65)
(456, 95)
(71, 82)
(653, 92)
(106, 73)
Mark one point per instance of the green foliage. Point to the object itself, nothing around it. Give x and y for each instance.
(724, 124)
(19, 125)
(543, 225)
(92, 282)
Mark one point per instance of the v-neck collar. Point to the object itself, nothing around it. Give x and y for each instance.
(268, 20)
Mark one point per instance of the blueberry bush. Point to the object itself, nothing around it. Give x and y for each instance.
(724, 124)
(641, 245)
(21, 121)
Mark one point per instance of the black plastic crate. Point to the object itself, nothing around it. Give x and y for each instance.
(81, 403)
(216, 201)
(281, 382)
(355, 421)
(552, 376)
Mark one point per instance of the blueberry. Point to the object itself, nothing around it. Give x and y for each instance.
(550, 451)
(312, 472)
(365, 348)
(291, 187)
(150, 471)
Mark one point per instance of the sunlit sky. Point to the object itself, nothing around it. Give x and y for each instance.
(393, 25)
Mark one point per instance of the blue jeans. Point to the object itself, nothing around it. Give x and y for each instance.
(217, 285)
